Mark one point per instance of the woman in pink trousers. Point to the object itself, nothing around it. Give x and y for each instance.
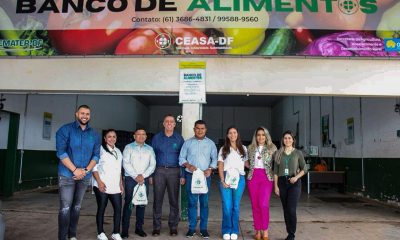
(260, 180)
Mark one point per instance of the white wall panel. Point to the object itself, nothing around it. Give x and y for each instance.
(224, 75)
(119, 112)
(379, 125)
(4, 126)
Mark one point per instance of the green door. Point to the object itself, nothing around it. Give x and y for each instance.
(9, 158)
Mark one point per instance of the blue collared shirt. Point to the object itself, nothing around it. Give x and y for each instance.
(80, 146)
(199, 153)
(167, 149)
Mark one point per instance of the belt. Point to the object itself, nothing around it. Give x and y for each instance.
(286, 177)
(166, 167)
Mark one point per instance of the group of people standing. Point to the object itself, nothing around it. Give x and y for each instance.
(168, 163)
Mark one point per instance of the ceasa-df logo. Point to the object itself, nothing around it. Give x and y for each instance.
(164, 41)
(349, 7)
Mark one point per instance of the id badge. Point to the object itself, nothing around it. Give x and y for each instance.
(286, 171)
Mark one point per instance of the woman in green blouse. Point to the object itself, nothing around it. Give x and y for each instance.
(289, 168)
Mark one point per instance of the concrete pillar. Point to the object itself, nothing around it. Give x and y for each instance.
(191, 112)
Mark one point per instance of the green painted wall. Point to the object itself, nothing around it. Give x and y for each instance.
(3, 153)
(353, 167)
(382, 181)
(381, 176)
(38, 168)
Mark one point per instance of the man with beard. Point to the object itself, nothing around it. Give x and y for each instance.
(78, 148)
(198, 152)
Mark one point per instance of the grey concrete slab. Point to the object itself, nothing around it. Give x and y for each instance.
(321, 215)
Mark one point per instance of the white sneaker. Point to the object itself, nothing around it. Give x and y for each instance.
(116, 236)
(102, 236)
(73, 238)
(234, 236)
(226, 236)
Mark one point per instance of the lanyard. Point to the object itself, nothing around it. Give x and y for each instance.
(287, 158)
(114, 153)
(259, 153)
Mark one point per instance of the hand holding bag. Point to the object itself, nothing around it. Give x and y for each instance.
(199, 182)
(232, 178)
(139, 195)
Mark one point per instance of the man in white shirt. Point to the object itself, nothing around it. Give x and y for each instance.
(139, 163)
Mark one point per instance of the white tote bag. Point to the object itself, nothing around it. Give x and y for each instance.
(139, 195)
(199, 182)
(232, 178)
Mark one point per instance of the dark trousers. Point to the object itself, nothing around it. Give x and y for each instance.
(289, 195)
(102, 200)
(71, 195)
(166, 178)
(130, 183)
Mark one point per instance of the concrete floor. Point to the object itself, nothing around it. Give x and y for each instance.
(324, 214)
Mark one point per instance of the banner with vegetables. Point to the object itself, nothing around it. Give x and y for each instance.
(322, 28)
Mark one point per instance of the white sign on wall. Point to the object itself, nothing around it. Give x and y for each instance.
(192, 86)
(47, 122)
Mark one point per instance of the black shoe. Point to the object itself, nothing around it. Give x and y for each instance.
(204, 234)
(155, 233)
(190, 233)
(140, 232)
(173, 232)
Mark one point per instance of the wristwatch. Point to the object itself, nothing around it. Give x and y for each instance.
(86, 170)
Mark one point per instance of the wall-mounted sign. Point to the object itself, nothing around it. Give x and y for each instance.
(313, 151)
(325, 131)
(192, 85)
(350, 131)
(47, 122)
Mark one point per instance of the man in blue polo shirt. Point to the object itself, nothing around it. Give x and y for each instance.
(78, 148)
(167, 145)
(198, 152)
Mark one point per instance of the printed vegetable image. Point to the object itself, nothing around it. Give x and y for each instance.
(171, 40)
(350, 43)
(9, 33)
(303, 36)
(280, 42)
(384, 3)
(88, 33)
(203, 27)
(233, 24)
(34, 33)
(245, 40)
(389, 26)
(336, 19)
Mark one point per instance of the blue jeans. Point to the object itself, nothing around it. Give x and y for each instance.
(130, 184)
(192, 204)
(231, 207)
(71, 195)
